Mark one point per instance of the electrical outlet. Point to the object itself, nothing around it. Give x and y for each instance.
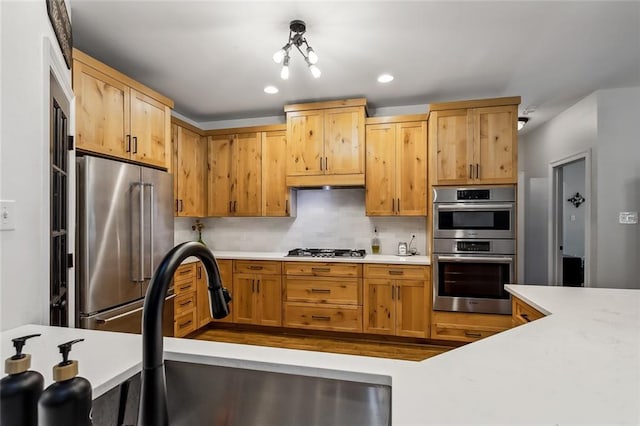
(7, 215)
(628, 218)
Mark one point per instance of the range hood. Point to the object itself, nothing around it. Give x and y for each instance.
(320, 181)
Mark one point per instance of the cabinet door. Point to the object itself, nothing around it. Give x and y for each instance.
(275, 194)
(411, 169)
(202, 296)
(269, 294)
(344, 140)
(246, 183)
(149, 130)
(380, 163)
(102, 112)
(411, 314)
(244, 303)
(190, 174)
(379, 306)
(496, 144)
(305, 143)
(451, 147)
(219, 172)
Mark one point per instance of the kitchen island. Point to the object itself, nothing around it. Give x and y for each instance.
(578, 365)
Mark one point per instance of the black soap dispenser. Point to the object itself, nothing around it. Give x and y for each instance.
(20, 390)
(68, 400)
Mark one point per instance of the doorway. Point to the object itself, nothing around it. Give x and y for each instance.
(570, 221)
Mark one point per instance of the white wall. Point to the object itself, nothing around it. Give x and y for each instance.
(24, 176)
(573, 180)
(325, 219)
(604, 122)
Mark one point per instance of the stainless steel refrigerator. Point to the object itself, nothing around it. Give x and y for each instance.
(125, 228)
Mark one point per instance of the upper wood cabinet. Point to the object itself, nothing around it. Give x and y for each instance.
(119, 117)
(189, 171)
(474, 142)
(325, 143)
(275, 194)
(396, 161)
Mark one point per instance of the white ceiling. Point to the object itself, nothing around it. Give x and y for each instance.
(214, 58)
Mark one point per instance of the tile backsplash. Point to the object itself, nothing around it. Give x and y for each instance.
(325, 218)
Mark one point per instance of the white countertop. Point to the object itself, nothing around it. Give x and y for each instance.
(579, 365)
(282, 256)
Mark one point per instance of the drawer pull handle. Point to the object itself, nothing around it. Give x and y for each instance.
(188, 302)
(185, 324)
(320, 269)
(184, 287)
(320, 290)
(469, 334)
(526, 317)
(320, 318)
(255, 268)
(184, 272)
(392, 272)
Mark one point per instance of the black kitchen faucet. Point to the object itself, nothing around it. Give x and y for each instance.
(153, 394)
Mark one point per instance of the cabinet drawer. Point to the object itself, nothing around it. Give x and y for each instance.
(184, 302)
(397, 272)
(323, 290)
(184, 286)
(185, 323)
(466, 327)
(323, 269)
(185, 272)
(523, 313)
(257, 267)
(337, 318)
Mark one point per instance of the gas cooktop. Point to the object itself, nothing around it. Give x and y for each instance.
(318, 252)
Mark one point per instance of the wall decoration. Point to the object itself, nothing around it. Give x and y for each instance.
(576, 200)
(59, 18)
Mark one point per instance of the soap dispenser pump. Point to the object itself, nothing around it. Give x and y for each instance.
(20, 390)
(68, 400)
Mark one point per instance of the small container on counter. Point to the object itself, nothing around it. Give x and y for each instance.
(68, 400)
(20, 390)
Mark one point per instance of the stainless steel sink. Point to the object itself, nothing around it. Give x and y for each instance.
(210, 395)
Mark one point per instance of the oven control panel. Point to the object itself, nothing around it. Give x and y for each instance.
(473, 194)
(471, 246)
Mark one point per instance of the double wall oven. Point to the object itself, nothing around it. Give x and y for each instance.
(473, 248)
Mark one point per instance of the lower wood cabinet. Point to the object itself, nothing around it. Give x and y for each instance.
(323, 296)
(466, 327)
(522, 312)
(396, 300)
(185, 312)
(257, 295)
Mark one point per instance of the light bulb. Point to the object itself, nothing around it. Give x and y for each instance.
(315, 71)
(284, 72)
(313, 57)
(278, 56)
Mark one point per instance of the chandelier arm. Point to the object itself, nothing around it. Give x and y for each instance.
(306, 58)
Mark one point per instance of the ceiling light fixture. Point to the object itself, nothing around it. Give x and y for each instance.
(271, 90)
(385, 78)
(521, 122)
(297, 28)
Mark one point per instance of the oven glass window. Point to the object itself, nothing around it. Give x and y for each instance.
(480, 280)
(496, 220)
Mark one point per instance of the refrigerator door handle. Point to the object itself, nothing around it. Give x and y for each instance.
(151, 228)
(117, 317)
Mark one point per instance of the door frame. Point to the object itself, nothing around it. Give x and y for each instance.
(554, 265)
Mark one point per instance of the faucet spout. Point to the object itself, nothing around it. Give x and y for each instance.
(153, 393)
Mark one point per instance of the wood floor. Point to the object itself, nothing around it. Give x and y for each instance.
(289, 340)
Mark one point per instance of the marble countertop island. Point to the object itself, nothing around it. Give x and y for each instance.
(578, 365)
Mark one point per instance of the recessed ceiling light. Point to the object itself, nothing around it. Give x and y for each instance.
(272, 90)
(385, 78)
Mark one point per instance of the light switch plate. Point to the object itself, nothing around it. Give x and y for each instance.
(7, 215)
(628, 218)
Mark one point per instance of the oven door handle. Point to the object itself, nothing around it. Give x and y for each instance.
(473, 206)
(485, 259)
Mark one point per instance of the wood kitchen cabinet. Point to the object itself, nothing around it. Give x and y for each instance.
(225, 267)
(466, 327)
(325, 143)
(257, 292)
(119, 117)
(474, 142)
(185, 306)
(396, 162)
(276, 197)
(396, 300)
(522, 312)
(323, 296)
(189, 171)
